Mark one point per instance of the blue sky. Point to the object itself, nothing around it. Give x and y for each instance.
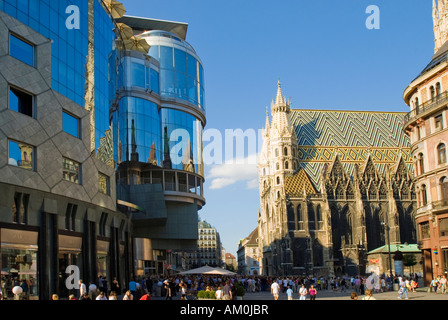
(321, 51)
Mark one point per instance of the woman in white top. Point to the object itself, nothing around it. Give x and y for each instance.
(218, 294)
(302, 293)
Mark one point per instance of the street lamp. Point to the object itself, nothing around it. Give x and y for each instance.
(386, 225)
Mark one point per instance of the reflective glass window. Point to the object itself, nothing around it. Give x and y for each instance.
(192, 90)
(21, 50)
(192, 66)
(71, 170)
(166, 57)
(138, 75)
(20, 101)
(167, 82)
(180, 60)
(21, 155)
(70, 124)
(181, 85)
(103, 184)
(155, 81)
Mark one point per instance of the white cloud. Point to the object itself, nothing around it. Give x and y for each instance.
(235, 171)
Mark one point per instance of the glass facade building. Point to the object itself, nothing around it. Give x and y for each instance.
(161, 115)
(70, 48)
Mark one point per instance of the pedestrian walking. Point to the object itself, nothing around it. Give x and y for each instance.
(115, 286)
(82, 289)
(403, 290)
(313, 292)
(275, 289)
(434, 284)
(219, 294)
(227, 291)
(168, 292)
(289, 293)
(133, 287)
(303, 292)
(443, 284)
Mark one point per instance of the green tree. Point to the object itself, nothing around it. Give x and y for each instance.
(409, 260)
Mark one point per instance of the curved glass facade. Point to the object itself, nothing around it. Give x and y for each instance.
(137, 124)
(70, 49)
(184, 132)
(178, 74)
(138, 74)
(181, 71)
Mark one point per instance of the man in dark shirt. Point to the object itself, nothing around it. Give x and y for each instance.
(227, 292)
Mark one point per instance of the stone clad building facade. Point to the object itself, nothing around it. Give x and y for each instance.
(333, 186)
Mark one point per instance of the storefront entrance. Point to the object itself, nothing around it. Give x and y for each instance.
(18, 263)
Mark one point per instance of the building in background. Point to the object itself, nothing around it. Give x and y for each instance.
(333, 186)
(56, 171)
(426, 125)
(230, 262)
(209, 248)
(248, 255)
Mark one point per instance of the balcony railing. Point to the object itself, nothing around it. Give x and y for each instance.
(426, 106)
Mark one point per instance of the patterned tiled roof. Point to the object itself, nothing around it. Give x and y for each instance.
(353, 135)
(297, 183)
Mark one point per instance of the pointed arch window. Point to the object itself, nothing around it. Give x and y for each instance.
(278, 180)
(286, 165)
(299, 217)
(311, 218)
(276, 152)
(277, 166)
(285, 151)
(319, 218)
(441, 153)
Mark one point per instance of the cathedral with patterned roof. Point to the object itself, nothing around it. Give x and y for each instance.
(334, 185)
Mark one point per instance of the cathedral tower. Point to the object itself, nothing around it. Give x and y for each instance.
(440, 20)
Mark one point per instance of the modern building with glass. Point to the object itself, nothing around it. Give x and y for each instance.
(88, 173)
(158, 120)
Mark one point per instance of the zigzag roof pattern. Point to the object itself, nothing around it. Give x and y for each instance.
(353, 136)
(298, 183)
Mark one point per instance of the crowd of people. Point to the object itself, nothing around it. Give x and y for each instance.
(225, 287)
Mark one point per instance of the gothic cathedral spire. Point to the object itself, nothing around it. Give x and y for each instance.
(440, 21)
